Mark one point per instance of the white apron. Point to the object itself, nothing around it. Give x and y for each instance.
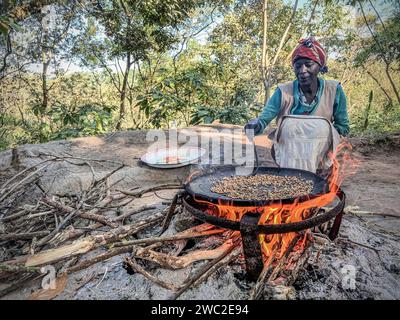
(303, 142)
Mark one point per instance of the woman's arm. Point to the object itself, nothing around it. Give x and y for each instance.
(269, 112)
(340, 116)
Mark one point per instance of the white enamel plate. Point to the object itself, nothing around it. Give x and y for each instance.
(173, 157)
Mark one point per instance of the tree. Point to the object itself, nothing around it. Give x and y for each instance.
(133, 31)
(382, 45)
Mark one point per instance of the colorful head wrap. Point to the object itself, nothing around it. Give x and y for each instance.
(311, 49)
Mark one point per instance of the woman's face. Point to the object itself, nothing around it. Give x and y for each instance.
(306, 71)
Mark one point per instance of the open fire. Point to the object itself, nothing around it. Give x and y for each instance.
(297, 215)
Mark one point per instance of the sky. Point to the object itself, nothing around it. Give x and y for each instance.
(381, 6)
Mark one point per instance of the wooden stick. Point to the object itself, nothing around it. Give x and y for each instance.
(132, 263)
(170, 213)
(71, 234)
(14, 216)
(20, 283)
(148, 241)
(80, 213)
(101, 257)
(2, 187)
(203, 272)
(85, 244)
(22, 236)
(97, 182)
(69, 156)
(256, 291)
(8, 192)
(172, 262)
(132, 212)
(138, 194)
(12, 268)
(283, 260)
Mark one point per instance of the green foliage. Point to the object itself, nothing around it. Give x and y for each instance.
(87, 120)
(384, 46)
(378, 121)
(8, 23)
(181, 63)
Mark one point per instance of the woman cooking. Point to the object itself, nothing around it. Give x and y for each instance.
(310, 112)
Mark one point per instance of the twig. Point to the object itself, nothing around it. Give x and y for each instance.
(23, 236)
(81, 214)
(135, 211)
(7, 193)
(135, 267)
(172, 262)
(367, 213)
(97, 182)
(101, 257)
(283, 260)
(104, 275)
(138, 194)
(203, 273)
(14, 216)
(61, 225)
(18, 268)
(171, 211)
(149, 241)
(22, 172)
(15, 286)
(359, 244)
(69, 156)
(255, 292)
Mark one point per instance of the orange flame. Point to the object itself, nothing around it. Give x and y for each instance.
(277, 244)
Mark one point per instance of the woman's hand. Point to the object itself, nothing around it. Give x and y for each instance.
(253, 124)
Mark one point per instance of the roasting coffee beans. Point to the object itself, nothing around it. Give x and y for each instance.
(262, 187)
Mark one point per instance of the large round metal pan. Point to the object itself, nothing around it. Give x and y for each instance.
(200, 186)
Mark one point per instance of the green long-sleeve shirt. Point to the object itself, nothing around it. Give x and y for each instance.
(273, 105)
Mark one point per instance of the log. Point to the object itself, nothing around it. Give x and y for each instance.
(172, 262)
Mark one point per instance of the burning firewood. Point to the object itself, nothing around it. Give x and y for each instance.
(226, 256)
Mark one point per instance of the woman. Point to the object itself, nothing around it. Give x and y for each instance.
(311, 113)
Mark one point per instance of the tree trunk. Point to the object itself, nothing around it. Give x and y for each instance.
(387, 63)
(45, 90)
(368, 109)
(396, 92)
(124, 87)
(390, 100)
(265, 58)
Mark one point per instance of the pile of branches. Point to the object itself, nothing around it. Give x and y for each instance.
(60, 230)
(38, 228)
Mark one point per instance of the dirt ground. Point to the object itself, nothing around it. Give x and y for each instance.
(373, 192)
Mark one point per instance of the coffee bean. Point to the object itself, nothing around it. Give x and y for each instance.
(263, 187)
